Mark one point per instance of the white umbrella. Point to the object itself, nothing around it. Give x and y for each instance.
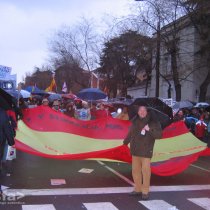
(25, 94)
(182, 104)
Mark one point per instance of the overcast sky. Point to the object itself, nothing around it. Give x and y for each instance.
(26, 26)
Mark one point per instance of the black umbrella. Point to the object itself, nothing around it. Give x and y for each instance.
(158, 108)
(15, 93)
(7, 101)
(207, 108)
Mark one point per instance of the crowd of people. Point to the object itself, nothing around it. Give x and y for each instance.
(78, 108)
(197, 120)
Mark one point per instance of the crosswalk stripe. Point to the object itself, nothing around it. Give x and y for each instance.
(106, 190)
(157, 204)
(202, 202)
(40, 207)
(101, 206)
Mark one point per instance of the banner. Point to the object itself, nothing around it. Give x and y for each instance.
(5, 71)
(47, 133)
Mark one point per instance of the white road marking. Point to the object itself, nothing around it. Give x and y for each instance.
(101, 206)
(116, 173)
(40, 207)
(157, 205)
(57, 181)
(202, 202)
(203, 169)
(86, 170)
(179, 188)
(4, 187)
(106, 190)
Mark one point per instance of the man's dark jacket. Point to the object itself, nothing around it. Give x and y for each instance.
(142, 145)
(6, 131)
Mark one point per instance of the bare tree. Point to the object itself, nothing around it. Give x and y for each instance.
(166, 19)
(78, 44)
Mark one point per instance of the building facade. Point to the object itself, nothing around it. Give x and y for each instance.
(191, 65)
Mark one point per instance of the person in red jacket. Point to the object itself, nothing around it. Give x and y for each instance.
(200, 129)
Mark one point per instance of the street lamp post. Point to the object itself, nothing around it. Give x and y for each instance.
(157, 59)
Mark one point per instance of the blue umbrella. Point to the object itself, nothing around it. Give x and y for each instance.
(54, 97)
(40, 92)
(91, 94)
(31, 88)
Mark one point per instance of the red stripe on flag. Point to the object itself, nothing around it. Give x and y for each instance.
(45, 119)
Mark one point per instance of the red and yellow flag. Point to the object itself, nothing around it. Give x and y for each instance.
(50, 134)
(52, 87)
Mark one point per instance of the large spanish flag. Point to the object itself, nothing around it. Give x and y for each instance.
(52, 134)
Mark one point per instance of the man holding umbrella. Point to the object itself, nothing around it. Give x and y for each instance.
(142, 134)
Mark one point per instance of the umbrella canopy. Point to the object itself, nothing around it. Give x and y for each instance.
(119, 101)
(154, 103)
(163, 118)
(31, 88)
(14, 93)
(54, 97)
(7, 101)
(91, 94)
(183, 104)
(40, 92)
(201, 105)
(158, 108)
(68, 96)
(25, 93)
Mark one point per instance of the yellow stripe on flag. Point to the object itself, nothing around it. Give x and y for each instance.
(181, 145)
(58, 143)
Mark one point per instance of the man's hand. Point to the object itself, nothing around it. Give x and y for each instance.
(146, 127)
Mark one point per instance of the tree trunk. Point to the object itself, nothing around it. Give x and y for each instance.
(169, 91)
(146, 87)
(157, 66)
(204, 87)
(175, 75)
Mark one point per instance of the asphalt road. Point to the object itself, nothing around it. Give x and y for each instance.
(33, 183)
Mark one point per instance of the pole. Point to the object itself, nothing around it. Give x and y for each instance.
(157, 66)
(157, 59)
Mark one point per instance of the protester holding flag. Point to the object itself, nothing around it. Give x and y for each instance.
(141, 136)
